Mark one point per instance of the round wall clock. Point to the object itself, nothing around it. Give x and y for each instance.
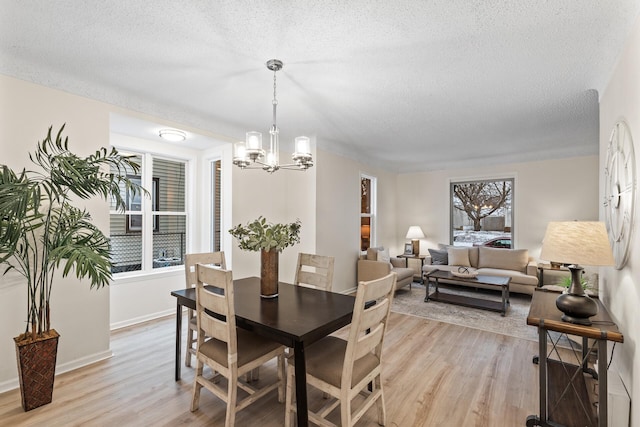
(620, 191)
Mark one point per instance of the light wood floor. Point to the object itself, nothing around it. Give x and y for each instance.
(435, 374)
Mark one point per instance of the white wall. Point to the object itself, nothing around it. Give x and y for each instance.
(550, 190)
(82, 316)
(135, 296)
(621, 288)
(79, 314)
(338, 214)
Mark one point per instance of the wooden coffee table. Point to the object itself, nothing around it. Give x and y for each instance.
(498, 282)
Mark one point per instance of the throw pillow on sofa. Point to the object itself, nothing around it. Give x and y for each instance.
(383, 255)
(372, 253)
(458, 256)
(439, 257)
(504, 259)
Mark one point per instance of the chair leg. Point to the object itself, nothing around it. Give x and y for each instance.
(382, 414)
(255, 374)
(345, 409)
(195, 397)
(232, 395)
(281, 378)
(189, 346)
(288, 419)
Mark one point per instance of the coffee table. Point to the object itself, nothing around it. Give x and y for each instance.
(487, 281)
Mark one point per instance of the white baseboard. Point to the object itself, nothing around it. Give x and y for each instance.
(141, 319)
(14, 383)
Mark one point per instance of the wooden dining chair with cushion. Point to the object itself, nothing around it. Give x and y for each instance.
(315, 271)
(229, 352)
(343, 369)
(213, 258)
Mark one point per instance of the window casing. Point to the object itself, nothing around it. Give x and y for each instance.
(151, 233)
(482, 212)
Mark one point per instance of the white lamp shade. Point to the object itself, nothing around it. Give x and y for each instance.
(577, 242)
(415, 232)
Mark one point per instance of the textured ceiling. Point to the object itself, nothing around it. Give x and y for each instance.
(407, 85)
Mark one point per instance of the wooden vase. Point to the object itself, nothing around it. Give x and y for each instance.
(269, 273)
(37, 369)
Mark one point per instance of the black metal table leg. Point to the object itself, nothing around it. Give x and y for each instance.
(178, 339)
(301, 385)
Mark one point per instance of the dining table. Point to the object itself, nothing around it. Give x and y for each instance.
(296, 318)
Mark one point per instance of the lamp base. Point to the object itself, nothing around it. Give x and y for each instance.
(416, 247)
(577, 308)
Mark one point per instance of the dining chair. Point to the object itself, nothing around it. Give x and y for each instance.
(314, 271)
(190, 261)
(230, 352)
(343, 369)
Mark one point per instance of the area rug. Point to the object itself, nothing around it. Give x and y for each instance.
(411, 301)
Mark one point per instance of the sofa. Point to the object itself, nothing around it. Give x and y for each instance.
(514, 263)
(377, 263)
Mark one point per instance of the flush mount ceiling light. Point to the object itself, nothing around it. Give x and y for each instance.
(173, 135)
(250, 155)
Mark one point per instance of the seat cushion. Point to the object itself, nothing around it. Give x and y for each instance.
(403, 273)
(250, 347)
(517, 277)
(324, 360)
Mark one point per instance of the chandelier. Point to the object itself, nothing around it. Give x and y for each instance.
(250, 155)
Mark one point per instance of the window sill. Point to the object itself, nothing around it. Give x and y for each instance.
(136, 276)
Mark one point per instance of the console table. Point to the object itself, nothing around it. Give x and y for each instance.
(563, 395)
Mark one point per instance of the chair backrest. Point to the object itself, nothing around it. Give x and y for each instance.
(222, 326)
(315, 271)
(369, 322)
(190, 261)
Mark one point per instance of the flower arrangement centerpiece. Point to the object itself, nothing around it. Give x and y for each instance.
(270, 239)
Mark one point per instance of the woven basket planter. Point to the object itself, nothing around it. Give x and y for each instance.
(37, 369)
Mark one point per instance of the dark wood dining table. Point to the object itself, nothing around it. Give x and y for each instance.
(298, 317)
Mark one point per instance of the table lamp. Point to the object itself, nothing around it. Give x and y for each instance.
(575, 243)
(415, 234)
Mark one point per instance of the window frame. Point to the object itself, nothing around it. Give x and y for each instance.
(510, 208)
(150, 210)
(372, 215)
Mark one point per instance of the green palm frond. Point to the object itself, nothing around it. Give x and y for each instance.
(40, 229)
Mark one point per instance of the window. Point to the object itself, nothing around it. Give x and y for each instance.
(367, 211)
(151, 233)
(482, 213)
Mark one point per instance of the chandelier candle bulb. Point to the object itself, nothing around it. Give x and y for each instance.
(303, 145)
(240, 151)
(254, 141)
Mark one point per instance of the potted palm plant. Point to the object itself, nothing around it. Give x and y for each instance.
(42, 230)
(270, 239)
